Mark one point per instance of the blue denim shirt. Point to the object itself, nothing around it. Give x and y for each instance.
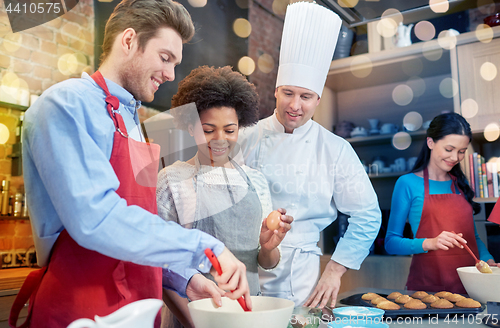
(70, 184)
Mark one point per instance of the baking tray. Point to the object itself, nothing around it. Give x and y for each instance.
(357, 301)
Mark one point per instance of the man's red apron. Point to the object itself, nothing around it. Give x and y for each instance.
(495, 213)
(436, 270)
(80, 283)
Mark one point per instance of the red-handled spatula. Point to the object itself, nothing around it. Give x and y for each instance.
(215, 263)
(482, 266)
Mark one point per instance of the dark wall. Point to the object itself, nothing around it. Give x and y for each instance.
(214, 43)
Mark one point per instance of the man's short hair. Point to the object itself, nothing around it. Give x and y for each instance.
(146, 17)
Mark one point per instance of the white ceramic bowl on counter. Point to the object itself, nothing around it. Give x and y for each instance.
(267, 312)
(482, 287)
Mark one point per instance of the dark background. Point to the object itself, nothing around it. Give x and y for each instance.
(214, 43)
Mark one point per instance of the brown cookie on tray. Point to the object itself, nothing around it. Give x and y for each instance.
(415, 304)
(419, 294)
(403, 299)
(442, 304)
(393, 295)
(454, 298)
(430, 299)
(388, 305)
(468, 303)
(442, 294)
(369, 296)
(377, 300)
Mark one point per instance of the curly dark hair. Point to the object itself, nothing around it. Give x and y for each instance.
(441, 126)
(210, 87)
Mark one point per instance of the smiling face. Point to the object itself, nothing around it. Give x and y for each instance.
(147, 68)
(216, 135)
(295, 106)
(447, 152)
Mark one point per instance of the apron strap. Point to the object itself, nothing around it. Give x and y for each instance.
(426, 182)
(27, 292)
(112, 104)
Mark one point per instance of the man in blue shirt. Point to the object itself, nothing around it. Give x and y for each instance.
(84, 155)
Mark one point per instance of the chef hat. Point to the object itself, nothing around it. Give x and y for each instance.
(309, 37)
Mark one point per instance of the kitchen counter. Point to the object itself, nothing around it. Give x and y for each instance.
(423, 322)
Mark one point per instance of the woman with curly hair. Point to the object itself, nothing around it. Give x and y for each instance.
(437, 201)
(210, 191)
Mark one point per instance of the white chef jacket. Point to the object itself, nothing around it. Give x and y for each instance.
(311, 173)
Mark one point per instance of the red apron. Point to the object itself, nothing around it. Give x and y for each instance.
(495, 213)
(81, 283)
(435, 271)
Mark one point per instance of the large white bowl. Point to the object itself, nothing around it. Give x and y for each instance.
(482, 287)
(267, 312)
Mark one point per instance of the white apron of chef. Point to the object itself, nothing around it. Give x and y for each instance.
(231, 213)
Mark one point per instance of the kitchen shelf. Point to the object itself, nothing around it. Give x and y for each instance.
(485, 200)
(387, 175)
(11, 217)
(13, 106)
(382, 138)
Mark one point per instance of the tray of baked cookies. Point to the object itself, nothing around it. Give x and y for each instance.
(418, 303)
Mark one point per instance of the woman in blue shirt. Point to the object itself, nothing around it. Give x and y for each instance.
(437, 201)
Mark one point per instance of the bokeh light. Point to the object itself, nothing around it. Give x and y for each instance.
(67, 64)
(417, 85)
(412, 67)
(4, 134)
(401, 140)
(484, 33)
(448, 87)
(361, 66)
(242, 27)
(197, 3)
(488, 71)
(486, 7)
(348, 3)
(12, 42)
(402, 95)
(246, 65)
(265, 63)
(389, 22)
(279, 7)
(412, 121)
(425, 30)
(491, 132)
(439, 6)
(243, 4)
(430, 52)
(14, 90)
(447, 40)
(469, 108)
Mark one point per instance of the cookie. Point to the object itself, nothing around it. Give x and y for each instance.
(454, 298)
(419, 295)
(442, 304)
(377, 300)
(430, 299)
(394, 295)
(415, 304)
(442, 294)
(403, 299)
(369, 296)
(388, 305)
(468, 303)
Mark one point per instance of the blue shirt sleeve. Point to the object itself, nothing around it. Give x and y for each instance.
(401, 205)
(71, 185)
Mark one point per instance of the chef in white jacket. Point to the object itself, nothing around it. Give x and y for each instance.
(311, 172)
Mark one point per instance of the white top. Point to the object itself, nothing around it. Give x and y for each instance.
(312, 173)
(176, 196)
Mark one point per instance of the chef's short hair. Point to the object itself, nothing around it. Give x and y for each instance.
(146, 17)
(210, 87)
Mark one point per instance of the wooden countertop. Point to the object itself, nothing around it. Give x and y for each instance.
(13, 278)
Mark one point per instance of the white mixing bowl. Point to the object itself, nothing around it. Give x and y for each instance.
(482, 287)
(267, 312)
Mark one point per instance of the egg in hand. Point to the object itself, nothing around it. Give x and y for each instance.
(273, 220)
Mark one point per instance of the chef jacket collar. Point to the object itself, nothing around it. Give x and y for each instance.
(126, 99)
(280, 128)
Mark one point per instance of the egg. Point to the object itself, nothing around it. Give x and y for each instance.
(273, 220)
